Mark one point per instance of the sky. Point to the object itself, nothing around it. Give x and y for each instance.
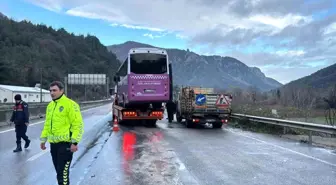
(286, 39)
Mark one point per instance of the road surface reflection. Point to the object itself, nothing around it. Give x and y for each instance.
(129, 140)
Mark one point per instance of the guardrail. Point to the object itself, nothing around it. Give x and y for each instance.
(34, 104)
(311, 127)
(38, 110)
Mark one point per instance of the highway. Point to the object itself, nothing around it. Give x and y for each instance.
(168, 155)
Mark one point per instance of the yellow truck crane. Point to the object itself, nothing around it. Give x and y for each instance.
(202, 106)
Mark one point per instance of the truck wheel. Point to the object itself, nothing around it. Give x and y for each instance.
(217, 125)
(178, 117)
(189, 124)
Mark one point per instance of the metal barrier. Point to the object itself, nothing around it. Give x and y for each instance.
(38, 110)
(311, 127)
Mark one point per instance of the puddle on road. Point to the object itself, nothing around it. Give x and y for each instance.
(147, 159)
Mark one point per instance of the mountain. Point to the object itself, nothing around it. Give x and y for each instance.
(2, 16)
(190, 68)
(29, 51)
(321, 79)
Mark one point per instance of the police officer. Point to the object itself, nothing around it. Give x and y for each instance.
(63, 129)
(20, 117)
(170, 110)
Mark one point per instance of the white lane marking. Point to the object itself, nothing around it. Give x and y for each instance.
(12, 129)
(4, 131)
(181, 165)
(185, 176)
(32, 158)
(330, 152)
(286, 149)
(45, 151)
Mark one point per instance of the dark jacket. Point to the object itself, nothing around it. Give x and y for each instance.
(20, 113)
(171, 106)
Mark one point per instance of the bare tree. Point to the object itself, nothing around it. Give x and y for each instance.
(288, 97)
(239, 96)
(305, 100)
(278, 94)
(330, 113)
(302, 98)
(253, 93)
(264, 96)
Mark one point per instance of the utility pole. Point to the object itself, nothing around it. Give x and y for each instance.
(107, 87)
(41, 85)
(66, 86)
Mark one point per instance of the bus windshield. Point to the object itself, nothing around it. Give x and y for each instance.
(148, 63)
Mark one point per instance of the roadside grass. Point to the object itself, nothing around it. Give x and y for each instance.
(287, 113)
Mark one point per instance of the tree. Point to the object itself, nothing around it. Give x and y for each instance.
(238, 95)
(331, 106)
(253, 93)
(26, 48)
(305, 100)
(278, 94)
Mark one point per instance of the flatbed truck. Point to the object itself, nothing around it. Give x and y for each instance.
(203, 107)
(148, 117)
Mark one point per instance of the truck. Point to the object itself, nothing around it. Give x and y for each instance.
(143, 84)
(203, 107)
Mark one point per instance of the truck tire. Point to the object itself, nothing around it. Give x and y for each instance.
(189, 124)
(178, 117)
(217, 125)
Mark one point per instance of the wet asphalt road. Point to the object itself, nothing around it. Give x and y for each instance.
(147, 156)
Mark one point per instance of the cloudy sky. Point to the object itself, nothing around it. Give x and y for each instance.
(287, 39)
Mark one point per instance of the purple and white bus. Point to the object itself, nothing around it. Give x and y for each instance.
(144, 79)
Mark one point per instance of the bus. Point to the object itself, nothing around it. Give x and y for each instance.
(144, 78)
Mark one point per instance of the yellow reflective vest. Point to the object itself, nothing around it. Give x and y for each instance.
(63, 123)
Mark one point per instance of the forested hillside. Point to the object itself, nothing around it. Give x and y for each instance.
(322, 79)
(310, 96)
(27, 50)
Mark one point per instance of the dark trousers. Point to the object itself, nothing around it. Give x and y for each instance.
(170, 116)
(21, 130)
(61, 157)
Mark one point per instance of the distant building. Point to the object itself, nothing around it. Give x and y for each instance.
(28, 94)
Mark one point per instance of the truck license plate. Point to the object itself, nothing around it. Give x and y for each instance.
(208, 124)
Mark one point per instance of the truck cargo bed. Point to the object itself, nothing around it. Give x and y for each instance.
(201, 106)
